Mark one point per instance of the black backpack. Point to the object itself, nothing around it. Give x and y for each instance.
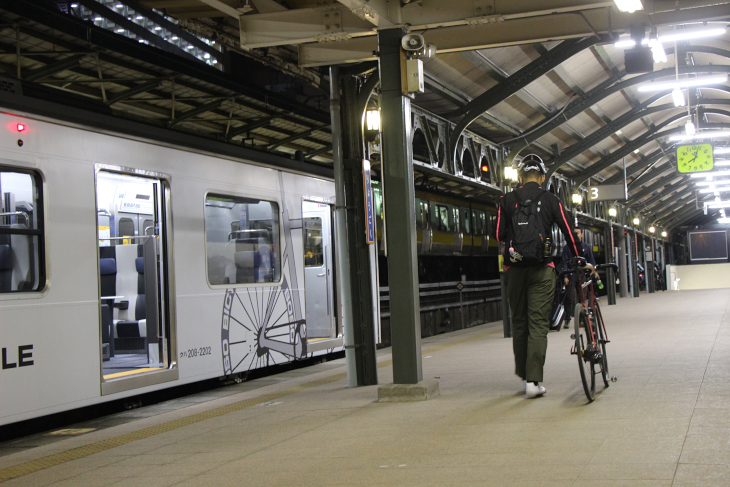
(527, 245)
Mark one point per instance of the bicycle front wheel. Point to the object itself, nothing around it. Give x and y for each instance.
(598, 325)
(583, 348)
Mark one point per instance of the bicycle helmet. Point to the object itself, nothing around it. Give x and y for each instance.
(532, 162)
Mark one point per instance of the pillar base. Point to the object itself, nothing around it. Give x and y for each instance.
(422, 391)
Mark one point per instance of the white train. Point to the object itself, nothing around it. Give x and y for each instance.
(127, 266)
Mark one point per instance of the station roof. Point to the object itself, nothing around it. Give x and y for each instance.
(546, 76)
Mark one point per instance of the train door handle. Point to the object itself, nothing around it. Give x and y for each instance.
(321, 275)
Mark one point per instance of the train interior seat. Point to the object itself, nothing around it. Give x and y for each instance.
(130, 327)
(15, 268)
(6, 264)
(108, 287)
(249, 260)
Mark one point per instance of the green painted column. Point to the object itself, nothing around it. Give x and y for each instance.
(399, 200)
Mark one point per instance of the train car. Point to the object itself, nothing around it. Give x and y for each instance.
(128, 266)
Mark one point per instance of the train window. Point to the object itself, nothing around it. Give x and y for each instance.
(442, 214)
(242, 240)
(455, 218)
(423, 208)
(378, 203)
(465, 221)
(22, 260)
(313, 254)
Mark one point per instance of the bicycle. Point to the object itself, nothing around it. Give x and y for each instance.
(589, 335)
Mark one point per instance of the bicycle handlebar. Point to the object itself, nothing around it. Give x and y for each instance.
(607, 266)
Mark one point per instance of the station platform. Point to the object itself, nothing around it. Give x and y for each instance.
(665, 422)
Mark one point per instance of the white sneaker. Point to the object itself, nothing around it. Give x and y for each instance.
(533, 390)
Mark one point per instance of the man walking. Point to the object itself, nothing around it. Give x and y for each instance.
(524, 221)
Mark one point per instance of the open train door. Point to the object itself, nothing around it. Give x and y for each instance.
(135, 297)
(319, 275)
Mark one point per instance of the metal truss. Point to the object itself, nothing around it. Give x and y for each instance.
(509, 86)
(57, 51)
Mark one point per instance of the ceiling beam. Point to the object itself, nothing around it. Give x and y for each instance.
(136, 90)
(53, 68)
(196, 111)
(454, 29)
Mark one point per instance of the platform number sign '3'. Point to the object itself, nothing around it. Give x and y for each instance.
(695, 158)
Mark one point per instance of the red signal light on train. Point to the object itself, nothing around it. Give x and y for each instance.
(21, 127)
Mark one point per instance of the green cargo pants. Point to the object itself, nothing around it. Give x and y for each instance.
(530, 293)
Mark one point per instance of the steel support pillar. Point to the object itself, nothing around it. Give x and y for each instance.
(634, 260)
(358, 250)
(623, 266)
(399, 199)
(344, 290)
(610, 273)
(650, 274)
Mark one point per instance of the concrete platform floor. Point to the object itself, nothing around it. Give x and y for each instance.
(666, 422)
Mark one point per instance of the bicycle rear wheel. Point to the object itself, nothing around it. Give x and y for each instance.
(583, 347)
(598, 325)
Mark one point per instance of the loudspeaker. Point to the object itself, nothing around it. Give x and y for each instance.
(413, 42)
(639, 60)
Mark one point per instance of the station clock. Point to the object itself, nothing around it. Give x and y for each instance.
(695, 158)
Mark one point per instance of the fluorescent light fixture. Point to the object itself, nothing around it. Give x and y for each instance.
(120, 30)
(173, 38)
(139, 17)
(629, 42)
(718, 204)
(723, 220)
(636, 221)
(678, 97)
(712, 183)
(689, 128)
(372, 120)
(577, 198)
(657, 51)
(612, 212)
(722, 150)
(721, 189)
(74, 5)
(701, 135)
(652, 229)
(664, 234)
(686, 34)
(158, 28)
(709, 174)
(629, 6)
(722, 162)
(683, 83)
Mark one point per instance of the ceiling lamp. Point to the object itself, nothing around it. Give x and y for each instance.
(664, 234)
(636, 221)
(678, 97)
(577, 198)
(721, 189)
(683, 83)
(722, 162)
(701, 135)
(629, 6)
(718, 204)
(687, 34)
(612, 212)
(689, 128)
(652, 229)
(723, 220)
(722, 150)
(510, 173)
(657, 50)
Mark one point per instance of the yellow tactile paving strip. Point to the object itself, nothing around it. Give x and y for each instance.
(100, 446)
(129, 372)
